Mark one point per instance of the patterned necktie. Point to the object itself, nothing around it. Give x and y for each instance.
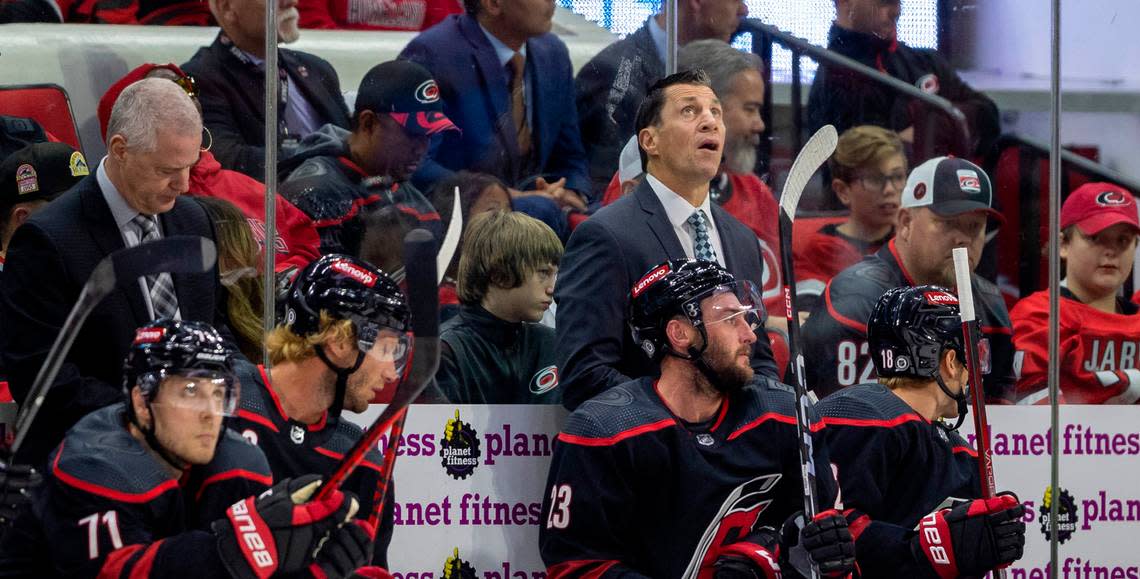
(702, 246)
(162, 297)
(518, 103)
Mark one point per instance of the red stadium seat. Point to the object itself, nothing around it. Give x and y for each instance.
(48, 104)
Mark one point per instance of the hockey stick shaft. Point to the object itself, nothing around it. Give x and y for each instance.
(174, 254)
(808, 161)
(423, 292)
(971, 337)
(386, 469)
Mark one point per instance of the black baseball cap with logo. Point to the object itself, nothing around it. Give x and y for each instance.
(408, 93)
(40, 171)
(950, 186)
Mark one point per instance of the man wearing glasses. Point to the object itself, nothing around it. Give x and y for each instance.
(945, 204)
(694, 473)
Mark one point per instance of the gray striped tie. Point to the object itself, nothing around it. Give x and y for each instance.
(162, 296)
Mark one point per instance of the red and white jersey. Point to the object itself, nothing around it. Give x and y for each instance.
(1099, 352)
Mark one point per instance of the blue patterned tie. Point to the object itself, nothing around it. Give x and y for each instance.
(702, 246)
(162, 297)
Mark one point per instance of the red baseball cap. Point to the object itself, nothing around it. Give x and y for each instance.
(1094, 207)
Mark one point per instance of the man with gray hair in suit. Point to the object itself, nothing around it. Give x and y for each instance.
(134, 195)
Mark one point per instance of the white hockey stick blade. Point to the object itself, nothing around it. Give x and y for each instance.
(962, 278)
(450, 240)
(812, 156)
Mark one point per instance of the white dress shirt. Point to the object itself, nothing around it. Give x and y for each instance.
(678, 210)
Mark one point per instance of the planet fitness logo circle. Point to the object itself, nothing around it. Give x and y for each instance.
(459, 452)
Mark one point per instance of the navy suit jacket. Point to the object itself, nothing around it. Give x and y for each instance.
(475, 97)
(50, 258)
(606, 255)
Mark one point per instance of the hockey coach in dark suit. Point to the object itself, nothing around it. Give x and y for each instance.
(134, 195)
(668, 216)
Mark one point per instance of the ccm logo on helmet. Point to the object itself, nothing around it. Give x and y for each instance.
(355, 273)
(149, 335)
(1111, 199)
(251, 541)
(940, 298)
(650, 279)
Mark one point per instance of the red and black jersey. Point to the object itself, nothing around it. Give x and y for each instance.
(294, 448)
(1099, 351)
(896, 467)
(108, 508)
(835, 336)
(635, 491)
(821, 255)
(414, 15)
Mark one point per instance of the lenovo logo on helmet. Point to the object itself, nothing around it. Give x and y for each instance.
(650, 278)
(940, 298)
(149, 335)
(355, 272)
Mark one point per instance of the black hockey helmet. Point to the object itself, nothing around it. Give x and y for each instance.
(677, 287)
(167, 347)
(347, 288)
(909, 329)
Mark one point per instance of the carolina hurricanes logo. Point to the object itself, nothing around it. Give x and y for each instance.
(544, 380)
(770, 283)
(736, 519)
(427, 92)
(928, 84)
(355, 272)
(1111, 198)
(650, 279)
(940, 298)
(969, 181)
(919, 191)
(149, 335)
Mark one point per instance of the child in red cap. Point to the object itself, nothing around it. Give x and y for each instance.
(1100, 329)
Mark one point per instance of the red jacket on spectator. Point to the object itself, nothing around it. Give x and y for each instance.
(414, 15)
(164, 12)
(820, 252)
(297, 242)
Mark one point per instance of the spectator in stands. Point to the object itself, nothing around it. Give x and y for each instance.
(945, 205)
(612, 84)
(413, 15)
(19, 132)
(865, 30)
(345, 174)
(1099, 327)
(231, 86)
(296, 240)
(134, 195)
(669, 216)
(868, 173)
(507, 82)
(29, 179)
(495, 352)
(163, 12)
(239, 266)
(478, 193)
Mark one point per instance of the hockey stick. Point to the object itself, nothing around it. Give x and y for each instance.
(442, 260)
(174, 254)
(977, 392)
(420, 261)
(811, 157)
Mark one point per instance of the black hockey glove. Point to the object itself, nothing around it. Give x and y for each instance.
(280, 531)
(754, 557)
(972, 538)
(825, 542)
(348, 549)
(16, 484)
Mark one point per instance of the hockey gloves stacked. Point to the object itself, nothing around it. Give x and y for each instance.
(972, 538)
(824, 542)
(281, 531)
(16, 484)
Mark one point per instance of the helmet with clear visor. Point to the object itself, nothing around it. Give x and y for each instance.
(188, 361)
(678, 288)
